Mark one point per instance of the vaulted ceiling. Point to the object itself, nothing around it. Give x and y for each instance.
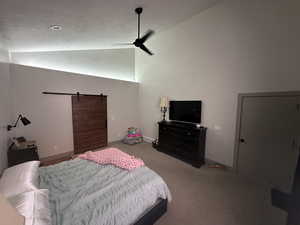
(87, 24)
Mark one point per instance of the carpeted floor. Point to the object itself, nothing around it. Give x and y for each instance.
(208, 196)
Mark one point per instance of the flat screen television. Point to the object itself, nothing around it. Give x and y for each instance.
(185, 111)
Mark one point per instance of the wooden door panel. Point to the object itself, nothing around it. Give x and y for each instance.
(91, 112)
(89, 122)
(92, 143)
(92, 133)
(90, 125)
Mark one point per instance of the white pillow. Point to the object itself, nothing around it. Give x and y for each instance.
(20, 178)
(34, 206)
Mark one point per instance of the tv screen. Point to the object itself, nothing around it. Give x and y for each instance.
(185, 111)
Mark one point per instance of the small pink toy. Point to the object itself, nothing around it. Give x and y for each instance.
(134, 136)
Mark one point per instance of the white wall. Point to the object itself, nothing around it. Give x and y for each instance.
(109, 63)
(4, 107)
(4, 55)
(235, 47)
(51, 115)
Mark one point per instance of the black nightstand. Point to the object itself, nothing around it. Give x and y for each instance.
(19, 155)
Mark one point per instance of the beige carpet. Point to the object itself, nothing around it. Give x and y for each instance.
(208, 196)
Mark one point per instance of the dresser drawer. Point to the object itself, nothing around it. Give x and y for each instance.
(184, 141)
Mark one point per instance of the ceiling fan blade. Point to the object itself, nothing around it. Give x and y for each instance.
(146, 36)
(144, 48)
(123, 44)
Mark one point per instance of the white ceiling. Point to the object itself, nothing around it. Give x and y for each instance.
(87, 24)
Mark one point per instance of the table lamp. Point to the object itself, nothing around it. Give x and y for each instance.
(164, 104)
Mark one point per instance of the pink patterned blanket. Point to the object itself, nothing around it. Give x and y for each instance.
(115, 157)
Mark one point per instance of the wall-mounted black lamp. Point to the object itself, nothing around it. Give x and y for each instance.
(24, 120)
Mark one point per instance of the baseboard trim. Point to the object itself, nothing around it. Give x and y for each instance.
(212, 162)
(148, 139)
(50, 160)
(70, 153)
(57, 156)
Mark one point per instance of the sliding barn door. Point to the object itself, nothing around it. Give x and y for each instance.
(89, 122)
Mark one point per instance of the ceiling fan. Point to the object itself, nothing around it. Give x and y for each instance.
(139, 42)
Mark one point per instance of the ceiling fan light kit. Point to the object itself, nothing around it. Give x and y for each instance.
(139, 42)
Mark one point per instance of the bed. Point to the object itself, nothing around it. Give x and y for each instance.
(82, 192)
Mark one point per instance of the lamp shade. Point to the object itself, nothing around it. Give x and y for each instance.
(8, 214)
(164, 102)
(25, 121)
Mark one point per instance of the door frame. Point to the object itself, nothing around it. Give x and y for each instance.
(241, 97)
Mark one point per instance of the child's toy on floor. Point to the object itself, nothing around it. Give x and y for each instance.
(134, 136)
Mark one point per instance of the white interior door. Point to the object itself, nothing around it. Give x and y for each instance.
(269, 140)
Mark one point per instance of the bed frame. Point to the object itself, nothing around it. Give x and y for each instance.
(154, 213)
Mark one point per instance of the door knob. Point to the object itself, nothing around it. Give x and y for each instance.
(242, 140)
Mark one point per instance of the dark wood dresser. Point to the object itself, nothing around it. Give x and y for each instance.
(183, 141)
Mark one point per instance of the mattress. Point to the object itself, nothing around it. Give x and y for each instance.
(82, 192)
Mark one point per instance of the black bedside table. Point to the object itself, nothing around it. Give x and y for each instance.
(17, 155)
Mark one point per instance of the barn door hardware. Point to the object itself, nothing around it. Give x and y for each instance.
(76, 94)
